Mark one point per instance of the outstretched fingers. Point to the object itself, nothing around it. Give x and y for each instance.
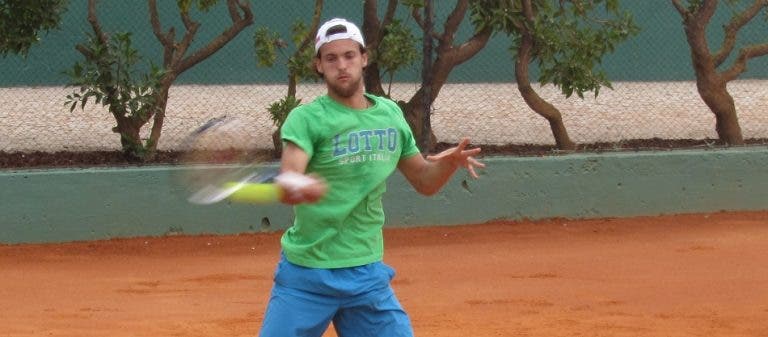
(462, 144)
(466, 159)
(470, 165)
(455, 153)
(460, 157)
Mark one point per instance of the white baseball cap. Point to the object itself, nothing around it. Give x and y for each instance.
(337, 29)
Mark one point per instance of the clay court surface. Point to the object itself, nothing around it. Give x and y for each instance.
(685, 275)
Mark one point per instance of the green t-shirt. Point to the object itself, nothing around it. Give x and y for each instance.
(354, 151)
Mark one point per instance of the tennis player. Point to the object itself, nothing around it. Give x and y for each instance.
(331, 268)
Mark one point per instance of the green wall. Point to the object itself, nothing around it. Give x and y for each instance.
(658, 53)
(88, 204)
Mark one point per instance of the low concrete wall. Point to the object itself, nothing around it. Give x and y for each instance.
(89, 204)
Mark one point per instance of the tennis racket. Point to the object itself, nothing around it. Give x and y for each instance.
(220, 164)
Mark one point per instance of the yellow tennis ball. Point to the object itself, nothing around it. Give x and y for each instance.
(253, 193)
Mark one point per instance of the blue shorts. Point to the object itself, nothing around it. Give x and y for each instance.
(358, 300)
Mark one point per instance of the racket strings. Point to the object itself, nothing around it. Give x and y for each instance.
(220, 161)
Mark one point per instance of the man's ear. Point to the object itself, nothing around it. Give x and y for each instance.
(316, 64)
(365, 59)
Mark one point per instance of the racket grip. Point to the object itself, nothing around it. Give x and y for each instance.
(293, 181)
(257, 193)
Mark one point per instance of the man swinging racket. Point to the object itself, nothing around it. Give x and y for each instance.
(331, 268)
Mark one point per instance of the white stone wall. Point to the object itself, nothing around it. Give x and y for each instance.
(36, 118)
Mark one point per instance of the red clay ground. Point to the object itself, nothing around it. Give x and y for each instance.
(687, 275)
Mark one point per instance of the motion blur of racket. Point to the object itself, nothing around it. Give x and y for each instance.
(222, 166)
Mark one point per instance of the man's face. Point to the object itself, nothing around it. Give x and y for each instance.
(341, 64)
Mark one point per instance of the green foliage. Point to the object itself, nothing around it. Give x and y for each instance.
(267, 44)
(22, 21)
(300, 63)
(398, 48)
(503, 15)
(279, 110)
(694, 5)
(109, 76)
(570, 37)
(574, 45)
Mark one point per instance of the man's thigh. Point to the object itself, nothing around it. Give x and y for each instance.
(374, 314)
(296, 313)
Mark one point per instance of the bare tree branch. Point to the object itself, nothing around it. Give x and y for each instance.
(448, 54)
(740, 64)
(416, 14)
(189, 35)
(695, 27)
(157, 29)
(372, 28)
(733, 27)
(452, 23)
(233, 13)
(238, 24)
(313, 27)
(468, 49)
(420, 22)
(528, 12)
(95, 25)
(104, 40)
(705, 13)
(389, 15)
(166, 40)
(680, 8)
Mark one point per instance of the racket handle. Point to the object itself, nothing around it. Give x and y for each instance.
(257, 193)
(293, 181)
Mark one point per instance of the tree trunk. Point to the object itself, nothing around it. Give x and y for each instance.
(448, 57)
(277, 143)
(372, 80)
(373, 30)
(711, 85)
(158, 118)
(413, 111)
(130, 139)
(534, 101)
(714, 92)
(720, 102)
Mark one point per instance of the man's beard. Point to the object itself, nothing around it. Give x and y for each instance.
(345, 91)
